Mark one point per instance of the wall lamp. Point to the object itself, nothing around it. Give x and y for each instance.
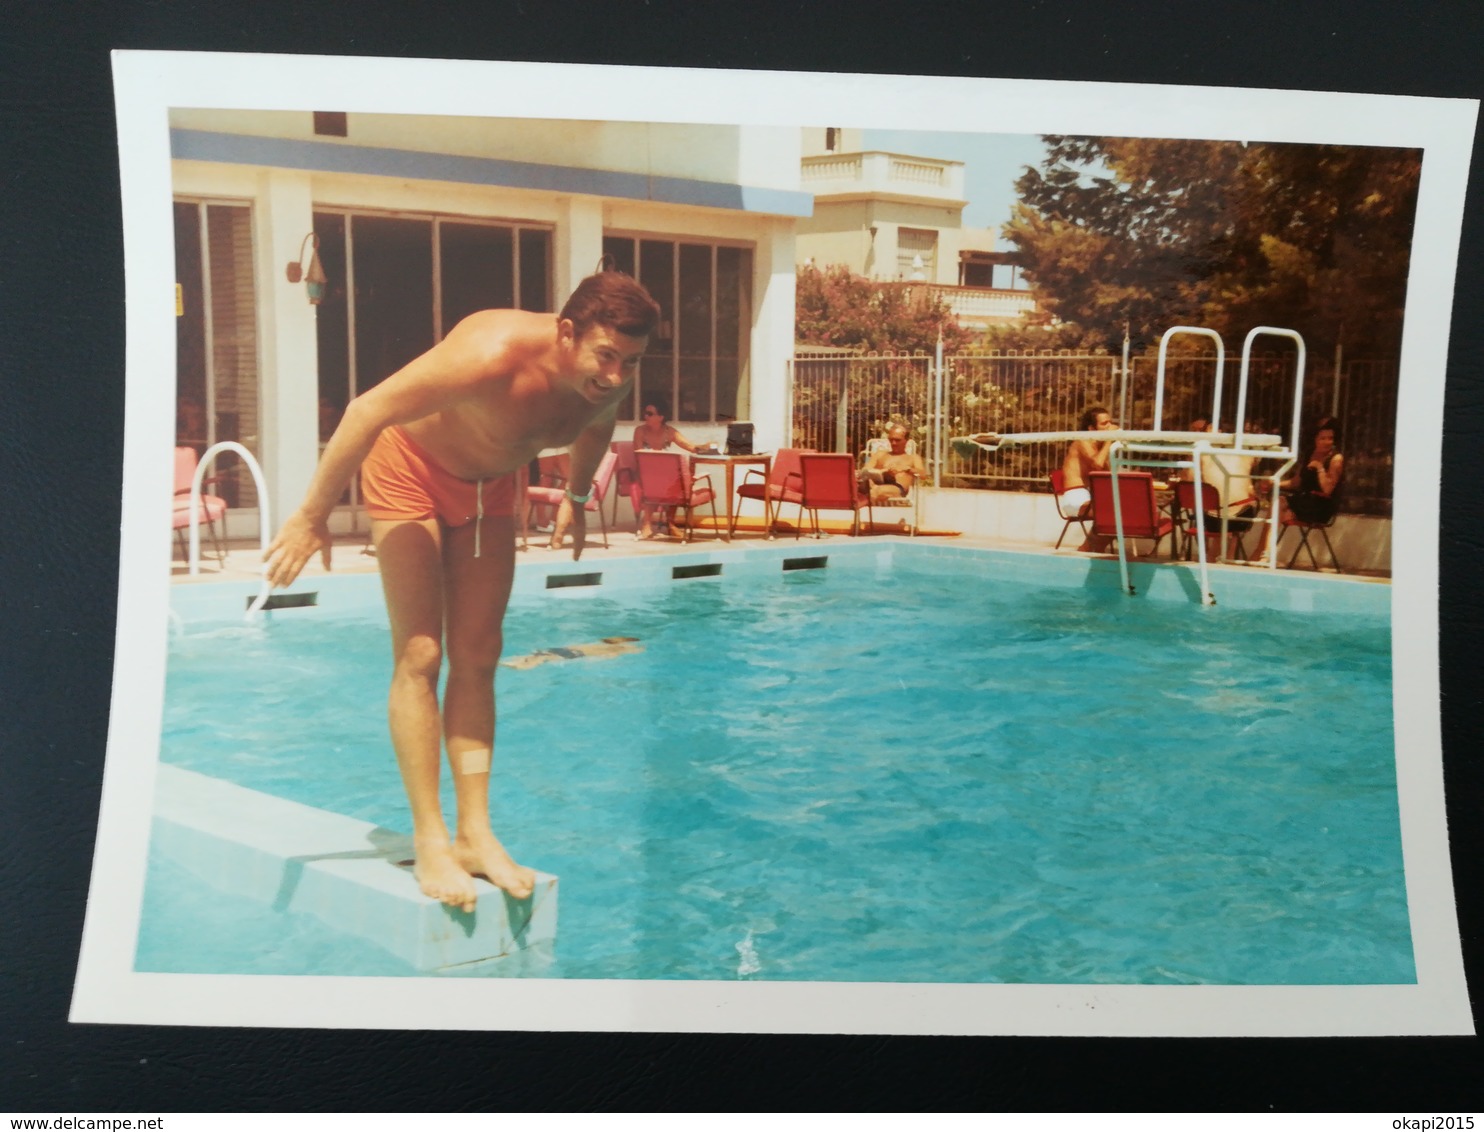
(314, 278)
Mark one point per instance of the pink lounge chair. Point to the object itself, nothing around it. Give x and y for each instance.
(628, 477)
(1142, 518)
(782, 484)
(552, 496)
(828, 483)
(210, 509)
(665, 481)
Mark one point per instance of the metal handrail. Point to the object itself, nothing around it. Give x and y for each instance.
(1159, 380)
(263, 526)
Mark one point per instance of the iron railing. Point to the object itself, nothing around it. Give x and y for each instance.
(841, 401)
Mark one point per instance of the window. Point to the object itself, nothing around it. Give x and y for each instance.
(216, 344)
(331, 123)
(385, 304)
(917, 250)
(697, 359)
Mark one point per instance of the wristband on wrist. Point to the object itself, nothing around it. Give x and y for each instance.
(580, 498)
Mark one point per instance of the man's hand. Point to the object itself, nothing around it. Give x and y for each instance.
(295, 545)
(571, 517)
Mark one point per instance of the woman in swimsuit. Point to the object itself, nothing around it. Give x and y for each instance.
(657, 433)
(1309, 496)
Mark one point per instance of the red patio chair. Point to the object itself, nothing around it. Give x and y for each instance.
(781, 485)
(209, 510)
(828, 483)
(665, 481)
(1211, 501)
(552, 496)
(1142, 517)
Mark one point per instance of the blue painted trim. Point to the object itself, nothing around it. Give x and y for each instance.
(329, 157)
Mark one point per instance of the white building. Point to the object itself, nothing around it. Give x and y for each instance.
(899, 218)
(421, 220)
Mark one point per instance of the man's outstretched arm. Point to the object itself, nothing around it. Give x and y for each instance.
(587, 453)
(443, 376)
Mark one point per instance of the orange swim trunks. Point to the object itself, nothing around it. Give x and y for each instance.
(401, 481)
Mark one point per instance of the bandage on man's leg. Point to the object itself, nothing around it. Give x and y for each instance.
(476, 761)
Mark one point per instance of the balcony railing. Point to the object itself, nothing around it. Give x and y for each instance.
(877, 172)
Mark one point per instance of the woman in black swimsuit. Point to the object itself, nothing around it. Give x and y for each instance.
(1310, 495)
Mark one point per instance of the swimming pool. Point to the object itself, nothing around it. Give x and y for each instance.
(911, 765)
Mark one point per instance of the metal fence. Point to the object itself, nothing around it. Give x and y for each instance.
(841, 401)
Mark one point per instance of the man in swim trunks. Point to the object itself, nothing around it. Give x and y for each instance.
(439, 443)
(890, 473)
(1083, 458)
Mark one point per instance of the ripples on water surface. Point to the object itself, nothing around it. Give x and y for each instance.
(845, 775)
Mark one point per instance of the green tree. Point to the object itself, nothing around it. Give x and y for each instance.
(1159, 232)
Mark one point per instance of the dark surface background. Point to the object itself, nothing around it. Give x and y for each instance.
(61, 437)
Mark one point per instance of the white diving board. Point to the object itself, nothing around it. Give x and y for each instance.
(1175, 441)
(350, 874)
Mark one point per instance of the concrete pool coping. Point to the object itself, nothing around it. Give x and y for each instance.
(350, 874)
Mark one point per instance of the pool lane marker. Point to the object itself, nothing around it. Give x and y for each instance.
(818, 562)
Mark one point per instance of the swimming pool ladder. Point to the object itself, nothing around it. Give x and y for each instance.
(263, 527)
(1137, 455)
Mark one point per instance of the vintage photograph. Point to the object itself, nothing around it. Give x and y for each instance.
(756, 560)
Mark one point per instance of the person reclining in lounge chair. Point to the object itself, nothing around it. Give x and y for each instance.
(890, 473)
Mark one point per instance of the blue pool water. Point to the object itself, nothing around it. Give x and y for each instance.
(883, 773)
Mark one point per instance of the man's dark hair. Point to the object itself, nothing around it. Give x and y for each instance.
(1090, 416)
(612, 299)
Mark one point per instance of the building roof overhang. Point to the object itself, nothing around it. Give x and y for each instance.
(335, 157)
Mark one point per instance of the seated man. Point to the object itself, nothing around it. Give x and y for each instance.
(1232, 477)
(1083, 458)
(890, 474)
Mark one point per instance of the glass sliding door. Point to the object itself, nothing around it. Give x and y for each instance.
(217, 379)
(477, 266)
(393, 288)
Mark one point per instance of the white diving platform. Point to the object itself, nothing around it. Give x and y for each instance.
(348, 873)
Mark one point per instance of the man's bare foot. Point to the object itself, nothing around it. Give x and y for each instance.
(481, 854)
(440, 876)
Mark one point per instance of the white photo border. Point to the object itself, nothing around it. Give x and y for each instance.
(149, 84)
